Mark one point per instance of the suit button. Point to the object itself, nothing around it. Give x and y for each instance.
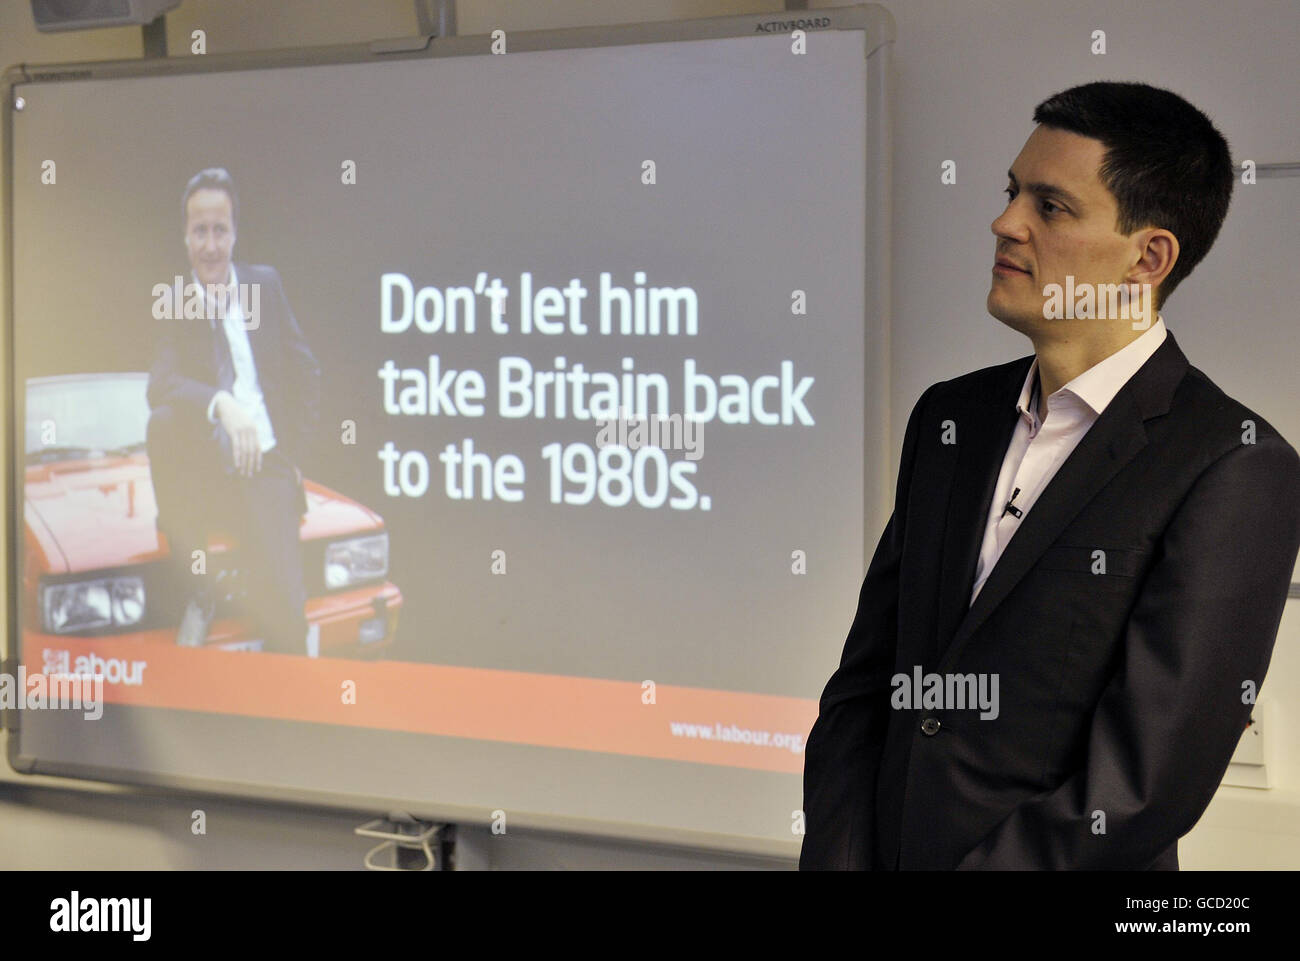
(930, 726)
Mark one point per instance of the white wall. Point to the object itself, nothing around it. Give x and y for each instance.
(969, 76)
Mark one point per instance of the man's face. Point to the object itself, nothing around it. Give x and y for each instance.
(1060, 220)
(209, 235)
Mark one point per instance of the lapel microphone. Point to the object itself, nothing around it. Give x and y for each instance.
(1011, 508)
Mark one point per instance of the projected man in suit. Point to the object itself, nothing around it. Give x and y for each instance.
(235, 397)
(1097, 525)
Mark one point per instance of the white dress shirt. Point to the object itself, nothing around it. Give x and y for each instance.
(1039, 447)
(246, 391)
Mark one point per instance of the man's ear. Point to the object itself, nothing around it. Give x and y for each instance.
(1157, 254)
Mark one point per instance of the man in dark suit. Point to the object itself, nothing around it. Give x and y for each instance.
(1096, 534)
(235, 399)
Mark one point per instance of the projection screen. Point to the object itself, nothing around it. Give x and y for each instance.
(568, 348)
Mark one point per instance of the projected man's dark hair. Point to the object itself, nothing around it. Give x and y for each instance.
(1165, 162)
(213, 178)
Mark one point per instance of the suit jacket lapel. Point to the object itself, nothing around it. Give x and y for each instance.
(223, 360)
(243, 274)
(983, 433)
(1112, 441)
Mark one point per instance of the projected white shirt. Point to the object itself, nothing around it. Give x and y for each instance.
(1039, 447)
(246, 390)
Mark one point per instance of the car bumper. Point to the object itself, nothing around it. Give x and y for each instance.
(356, 623)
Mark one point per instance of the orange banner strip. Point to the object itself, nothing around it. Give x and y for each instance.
(734, 729)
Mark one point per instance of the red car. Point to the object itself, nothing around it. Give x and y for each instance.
(94, 560)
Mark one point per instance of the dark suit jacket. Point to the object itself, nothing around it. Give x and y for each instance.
(192, 362)
(1120, 693)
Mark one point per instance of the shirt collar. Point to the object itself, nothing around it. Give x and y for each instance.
(232, 302)
(234, 281)
(1097, 386)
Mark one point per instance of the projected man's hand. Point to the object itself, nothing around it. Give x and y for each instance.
(241, 430)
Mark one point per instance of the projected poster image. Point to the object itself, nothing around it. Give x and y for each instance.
(511, 457)
(199, 529)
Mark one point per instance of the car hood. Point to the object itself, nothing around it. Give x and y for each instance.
(86, 515)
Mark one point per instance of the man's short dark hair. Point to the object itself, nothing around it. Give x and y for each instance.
(1165, 162)
(213, 178)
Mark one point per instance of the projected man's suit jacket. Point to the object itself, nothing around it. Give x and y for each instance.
(1122, 695)
(192, 362)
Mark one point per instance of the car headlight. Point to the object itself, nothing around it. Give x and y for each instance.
(84, 605)
(358, 559)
